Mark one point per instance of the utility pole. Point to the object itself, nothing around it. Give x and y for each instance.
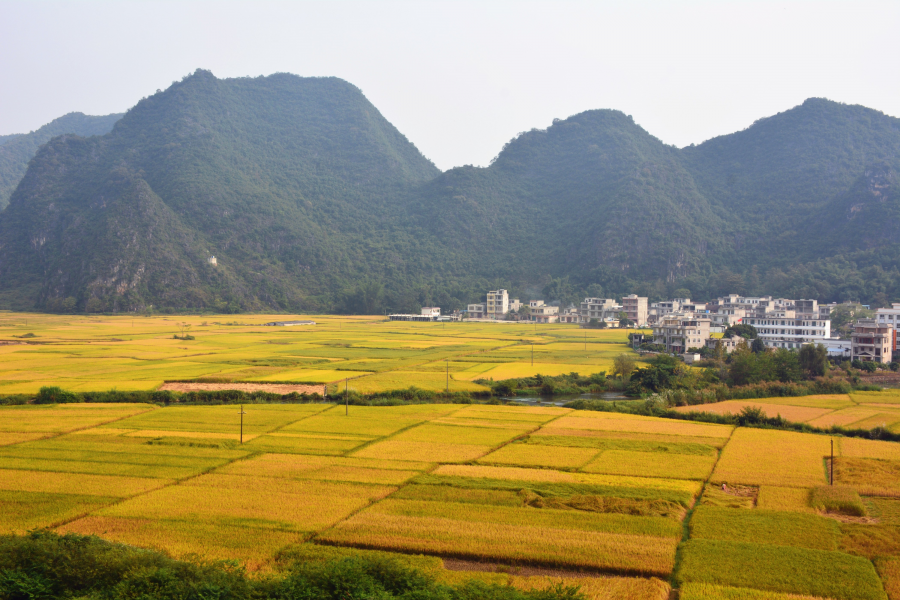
(832, 462)
(448, 375)
(242, 413)
(346, 399)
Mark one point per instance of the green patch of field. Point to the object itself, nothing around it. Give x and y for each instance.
(21, 511)
(765, 527)
(823, 573)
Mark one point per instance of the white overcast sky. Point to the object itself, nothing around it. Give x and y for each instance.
(459, 78)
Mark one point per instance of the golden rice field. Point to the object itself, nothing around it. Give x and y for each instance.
(859, 410)
(99, 353)
(542, 487)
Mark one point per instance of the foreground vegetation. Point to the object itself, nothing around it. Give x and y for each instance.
(46, 565)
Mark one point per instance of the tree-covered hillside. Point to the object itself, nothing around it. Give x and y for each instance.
(311, 200)
(17, 149)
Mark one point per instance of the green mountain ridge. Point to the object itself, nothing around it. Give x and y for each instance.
(312, 201)
(17, 149)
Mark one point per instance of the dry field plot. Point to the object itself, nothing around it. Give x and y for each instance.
(797, 414)
(523, 486)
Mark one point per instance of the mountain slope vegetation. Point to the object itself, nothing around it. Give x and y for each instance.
(312, 201)
(17, 149)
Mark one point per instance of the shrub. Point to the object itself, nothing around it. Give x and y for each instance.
(55, 395)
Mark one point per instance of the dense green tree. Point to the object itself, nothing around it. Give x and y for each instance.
(813, 360)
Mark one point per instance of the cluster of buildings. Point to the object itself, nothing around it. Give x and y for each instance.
(680, 324)
(499, 307)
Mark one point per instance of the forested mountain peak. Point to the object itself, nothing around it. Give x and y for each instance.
(311, 200)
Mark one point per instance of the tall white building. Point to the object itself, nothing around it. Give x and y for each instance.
(497, 304)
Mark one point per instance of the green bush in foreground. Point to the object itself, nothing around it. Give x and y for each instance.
(765, 527)
(44, 565)
(827, 574)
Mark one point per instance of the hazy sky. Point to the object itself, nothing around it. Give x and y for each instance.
(458, 78)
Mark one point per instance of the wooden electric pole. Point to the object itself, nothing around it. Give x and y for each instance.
(831, 477)
(242, 413)
(346, 399)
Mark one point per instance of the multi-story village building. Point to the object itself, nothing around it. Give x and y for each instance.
(514, 305)
(497, 304)
(476, 311)
(678, 332)
(729, 345)
(599, 309)
(658, 310)
(890, 316)
(569, 315)
(541, 313)
(789, 329)
(636, 308)
(872, 341)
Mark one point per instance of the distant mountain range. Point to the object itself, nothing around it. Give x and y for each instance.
(312, 201)
(19, 148)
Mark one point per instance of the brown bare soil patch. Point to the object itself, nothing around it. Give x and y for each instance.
(272, 388)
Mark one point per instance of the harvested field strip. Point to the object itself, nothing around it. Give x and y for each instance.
(708, 591)
(22, 511)
(559, 490)
(652, 464)
(623, 444)
(861, 448)
(796, 414)
(552, 518)
(784, 499)
(587, 434)
(765, 527)
(771, 457)
(548, 476)
(187, 539)
(519, 544)
(822, 573)
(423, 451)
(86, 485)
(643, 425)
(869, 476)
(531, 455)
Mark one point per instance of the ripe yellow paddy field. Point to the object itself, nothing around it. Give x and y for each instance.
(98, 353)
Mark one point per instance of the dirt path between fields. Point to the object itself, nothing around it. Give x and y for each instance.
(272, 388)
